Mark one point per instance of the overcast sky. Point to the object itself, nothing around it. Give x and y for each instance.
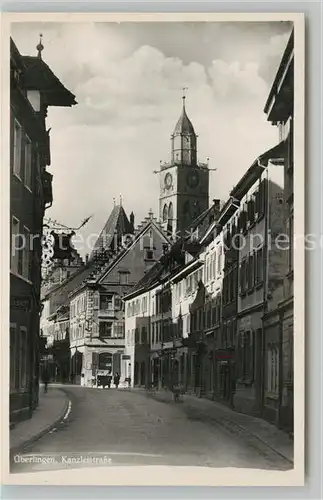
(127, 79)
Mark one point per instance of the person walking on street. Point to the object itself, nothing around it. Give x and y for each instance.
(45, 378)
(116, 380)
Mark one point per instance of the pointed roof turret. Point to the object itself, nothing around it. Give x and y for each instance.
(40, 46)
(115, 227)
(184, 125)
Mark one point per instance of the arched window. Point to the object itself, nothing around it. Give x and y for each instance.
(170, 219)
(165, 213)
(170, 212)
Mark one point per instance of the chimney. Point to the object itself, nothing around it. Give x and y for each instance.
(132, 220)
(216, 204)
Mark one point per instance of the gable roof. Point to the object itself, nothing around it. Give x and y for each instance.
(117, 225)
(141, 230)
(39, 76)
(70, 283)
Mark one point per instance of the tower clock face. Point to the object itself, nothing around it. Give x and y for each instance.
(193, 179)
(168, 181)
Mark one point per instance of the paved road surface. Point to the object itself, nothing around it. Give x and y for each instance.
(121, 427)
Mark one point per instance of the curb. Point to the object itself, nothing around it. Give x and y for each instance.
(227, 424)
(43, 432)
(230, 423)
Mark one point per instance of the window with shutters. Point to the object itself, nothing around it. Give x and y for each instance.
(105, 329)
(259, 255)
(251, 211)
(95, 362)
(96, 300)
(290, 148)
(16, 247)
(26, 254)
(23, 383)
(246, 356)
(243, 276)
(250, 272)
(118, 330)
(105, 362)
(28, 158)
(106, 302)
(290, 232)
(262, 197)
(273, 370)
(13, 330)
(17, 147)
(118, 303)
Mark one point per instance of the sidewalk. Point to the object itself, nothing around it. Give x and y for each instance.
(51, 409)
(204, 409)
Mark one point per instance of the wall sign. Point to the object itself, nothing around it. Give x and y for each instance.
(21, 303)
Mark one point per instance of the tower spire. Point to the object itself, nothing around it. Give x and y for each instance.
(40, 46)
(184, 96)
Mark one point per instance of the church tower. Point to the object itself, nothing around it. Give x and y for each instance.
(184, 182)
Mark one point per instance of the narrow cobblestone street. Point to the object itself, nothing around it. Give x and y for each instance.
(130, 429)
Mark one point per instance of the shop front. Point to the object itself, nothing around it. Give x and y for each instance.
(248, 397)
(225, 375)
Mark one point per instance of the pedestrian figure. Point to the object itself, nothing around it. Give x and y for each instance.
(72, 377)
(45, 378)
(109, 380)
(116, 380)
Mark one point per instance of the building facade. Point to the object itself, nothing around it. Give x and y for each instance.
(279, 319)
(184, 182)
(97, 315)
(34, 88)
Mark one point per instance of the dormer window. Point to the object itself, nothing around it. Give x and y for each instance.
(149, 255)
(124, 277)
(33, 97)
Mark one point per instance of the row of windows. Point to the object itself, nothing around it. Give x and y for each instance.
(21, 249)
(77, 331)
(163, 301)
(230, 286)
(252, 271)
(19, 365)
(137, 306)
(228, 334)
(273, 370)
(78, 306)
(246, 355)
(112, 329)
(213, 265)
(212, 312)
(22, 155)
(166, 331)
(252, 209)
(61, 329)
(141, 335)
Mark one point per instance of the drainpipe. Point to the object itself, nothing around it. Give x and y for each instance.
(148, 380)
(280, 373)
(265, 275)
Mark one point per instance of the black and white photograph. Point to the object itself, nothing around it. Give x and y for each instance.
(153, 247)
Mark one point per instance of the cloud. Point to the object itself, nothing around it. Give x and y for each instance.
(129, 102)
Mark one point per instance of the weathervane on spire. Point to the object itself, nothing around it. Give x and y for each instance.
(184, 96)
(40, 46)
